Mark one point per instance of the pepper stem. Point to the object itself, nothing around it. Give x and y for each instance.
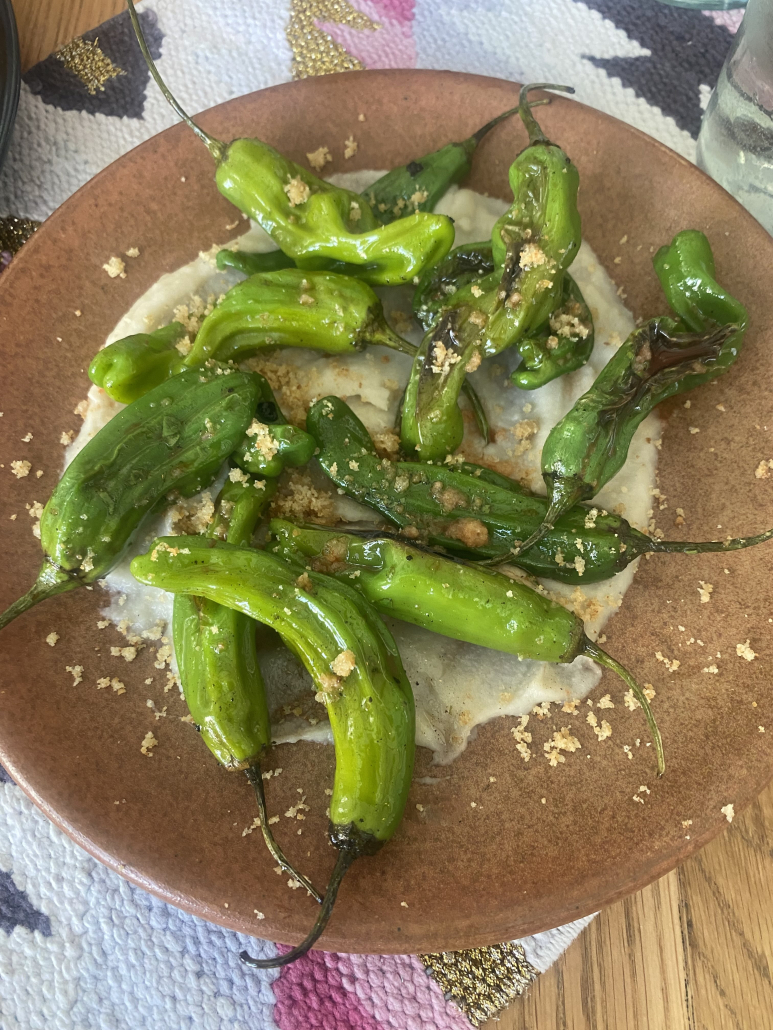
(593, 651)
(701, 547)
(536, 135)
(344, 860)
(39, 591)
(481, 419)
(256, 779)
(216, 148)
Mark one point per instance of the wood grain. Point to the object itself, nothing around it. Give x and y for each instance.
(46, 25)
(692, 951)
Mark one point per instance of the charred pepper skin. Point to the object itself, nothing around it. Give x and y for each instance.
(533, 244)
(475, 513)
(659, 360)
(171, 442)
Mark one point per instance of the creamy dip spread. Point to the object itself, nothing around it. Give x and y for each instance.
(457, 686)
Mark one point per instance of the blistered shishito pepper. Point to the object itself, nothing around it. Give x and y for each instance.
(466, 264)
(460, 601)
(218, 662)
(355, 666)
(171, 442)
(128, 368)
(290, 308)
(479, 514)
(533, 244)
(312, 221)
(657, 361)
(419, 185)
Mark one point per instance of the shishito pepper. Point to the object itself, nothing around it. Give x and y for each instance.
(291, 308)
(533, 244)
(460, 601)
(287, 308)
(356, 669)
(313, 222)
(171, 442)
(476, 513)
(128, 368)
(218, 662)
(657, 361)
(420, 184)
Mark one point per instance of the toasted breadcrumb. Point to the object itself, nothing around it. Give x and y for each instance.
(671, 665)
(744, 651)
(133, 252)
(115, 268)
(522, 738)
(77, 673)
(705, 591)
(562, 740)
(263, 439)
(127, 653)
(350, 147)
(603, 730)
(605, 702)
(319, 158)
(21, 468)
(298, 500)
(148, 743)
(66, 438)
(343, 664)
(51, 639)
(728, 811)
(297, 191)
(763, 469)
(531, 256)
(471, 532)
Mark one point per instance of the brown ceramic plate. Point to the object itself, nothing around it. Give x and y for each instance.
(543, 845)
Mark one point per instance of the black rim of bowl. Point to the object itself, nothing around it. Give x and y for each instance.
(10, 74)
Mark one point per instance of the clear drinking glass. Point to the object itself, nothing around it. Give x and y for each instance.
(735, 145)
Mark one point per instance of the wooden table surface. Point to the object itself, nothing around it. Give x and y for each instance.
(694, 951)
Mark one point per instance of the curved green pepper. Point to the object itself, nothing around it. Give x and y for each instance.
(562, 344)
(171, 442)
(218, 662)
(354, 663)
(312, 221)
(128, 368)
(479, 514)
(657, 361)
(532, 243)
(460, 601)
(215, 645)
(291, 308)
(419, 185)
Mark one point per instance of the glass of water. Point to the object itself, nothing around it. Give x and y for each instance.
(735, 145)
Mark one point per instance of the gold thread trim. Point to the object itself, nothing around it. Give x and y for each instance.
(15, 231)
(86, 60)
(481, 981)
(315, 52)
